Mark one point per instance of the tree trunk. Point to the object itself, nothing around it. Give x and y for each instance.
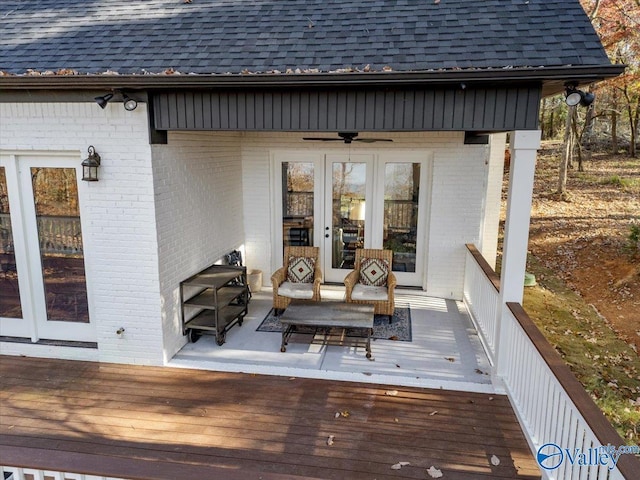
(576, 142)
(543, 111)
(614, 121)
(587, 131)
(565, 161)
(567, 141)
(634, 130)
(633, 121)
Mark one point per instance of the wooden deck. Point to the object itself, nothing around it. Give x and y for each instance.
(162, 423)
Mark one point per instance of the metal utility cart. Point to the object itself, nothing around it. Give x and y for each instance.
(220, 301)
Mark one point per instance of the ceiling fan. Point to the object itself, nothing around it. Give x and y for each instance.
(348, 137)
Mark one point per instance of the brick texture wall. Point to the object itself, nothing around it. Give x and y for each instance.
(119, 227)
(198, 188)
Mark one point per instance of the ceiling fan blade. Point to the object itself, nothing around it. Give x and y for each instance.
(372, 140)
(323, 139)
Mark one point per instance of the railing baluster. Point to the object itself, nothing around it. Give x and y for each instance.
(539, 385)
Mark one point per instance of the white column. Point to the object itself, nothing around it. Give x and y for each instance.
(524, 145)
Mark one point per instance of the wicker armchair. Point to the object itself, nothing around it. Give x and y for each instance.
(382, 297)
(284, 290)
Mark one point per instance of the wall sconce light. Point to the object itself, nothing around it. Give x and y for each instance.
(129, 103)
(90, 166)
(574, 97)
(103, 100)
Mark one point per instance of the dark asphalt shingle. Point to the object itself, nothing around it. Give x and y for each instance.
(219, 36)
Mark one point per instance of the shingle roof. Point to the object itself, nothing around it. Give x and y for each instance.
(221, 36)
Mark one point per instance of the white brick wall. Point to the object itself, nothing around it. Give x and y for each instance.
(119, 221)
(198, 185)
(457, 202)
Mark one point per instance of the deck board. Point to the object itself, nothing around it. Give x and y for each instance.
(137, 416)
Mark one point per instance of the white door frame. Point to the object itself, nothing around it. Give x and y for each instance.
(277, 159)
(34, 323)
(425, 159)
(337, 274)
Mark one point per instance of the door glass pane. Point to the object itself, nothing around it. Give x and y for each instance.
(297, 203)
(58, 218)
(348, 208)
(9, 292)
(401, 193)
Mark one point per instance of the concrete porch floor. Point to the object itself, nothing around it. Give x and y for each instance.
(445, 351)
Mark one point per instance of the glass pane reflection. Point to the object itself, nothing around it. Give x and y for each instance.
(297, 204)
(401, 193)
(58, 218)
(348, 200)
(9, 290)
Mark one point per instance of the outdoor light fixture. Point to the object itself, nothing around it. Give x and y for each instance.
(129, 103)
(574, 97)
(103, 100)
(90, 165)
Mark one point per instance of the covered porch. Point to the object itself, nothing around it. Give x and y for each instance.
(444, 350)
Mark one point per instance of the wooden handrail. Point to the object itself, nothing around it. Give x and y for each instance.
(484, 266)
(629, 465)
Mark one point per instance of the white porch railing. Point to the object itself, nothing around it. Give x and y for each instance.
(481, 289)
(552, 406)
(14, 473)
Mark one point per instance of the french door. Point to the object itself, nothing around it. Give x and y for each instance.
(345, 202)
(347, 224)
(42, 272)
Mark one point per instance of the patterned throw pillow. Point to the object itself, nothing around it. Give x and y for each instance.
(301, 269)
(374, 272)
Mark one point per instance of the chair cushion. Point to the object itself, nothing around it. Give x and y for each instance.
(301, 269)
(369, 293)
(296, 290)
(374, 272)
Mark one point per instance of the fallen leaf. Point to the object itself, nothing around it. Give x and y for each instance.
(433, 413)
(436, 2)
(391, 393)
(330, 440)
(451, 359)
(399, 465)
(337, 414)
(495, 461)
(345, 413)
(434, 472)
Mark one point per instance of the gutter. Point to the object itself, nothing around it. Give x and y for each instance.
(559, 75)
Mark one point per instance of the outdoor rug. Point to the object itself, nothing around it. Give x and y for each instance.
(399, 329)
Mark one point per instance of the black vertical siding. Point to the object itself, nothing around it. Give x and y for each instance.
(477, 109)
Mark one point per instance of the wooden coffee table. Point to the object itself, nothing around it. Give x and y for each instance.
(326, 314)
